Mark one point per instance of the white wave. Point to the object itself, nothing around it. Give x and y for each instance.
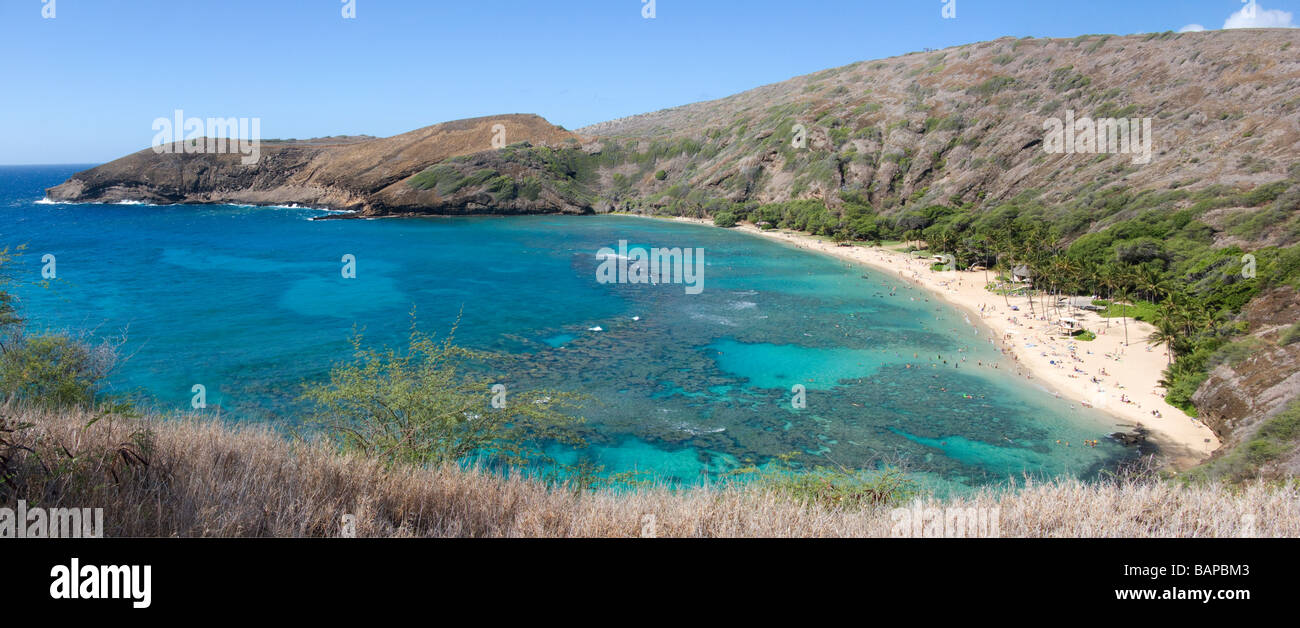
(130, 202)
(696, 431)
(47, 201)
(714, 318)
(596, 328)
(742, 305)
(315, 209)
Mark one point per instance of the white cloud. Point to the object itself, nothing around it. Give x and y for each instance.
(1256, 16)
(1252, 15)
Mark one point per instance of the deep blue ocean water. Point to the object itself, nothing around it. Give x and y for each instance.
(250, 302)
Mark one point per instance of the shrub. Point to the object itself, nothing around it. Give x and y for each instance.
(991, 86)
(530, 188)
(724, 219)
(1290, 335)
(840, 489)
(421, 407)
(441, 178)
(54, 370)
(661, 175)
(1066, 78)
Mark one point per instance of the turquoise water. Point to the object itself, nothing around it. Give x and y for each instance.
(250, 302)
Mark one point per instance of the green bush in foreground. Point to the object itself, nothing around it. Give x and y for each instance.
(421, 407)
(848, 490)
(50, 370)
(53, 370)
(837, 488)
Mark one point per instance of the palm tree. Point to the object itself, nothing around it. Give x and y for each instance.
(1001, 240)
(1108, 281)
(1166, 332)
(1042, 268)
(1123, 296)
(1151, 283)
(1034, 275)
(1207, 321)
(1067, 277)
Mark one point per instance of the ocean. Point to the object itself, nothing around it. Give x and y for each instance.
(252, 302)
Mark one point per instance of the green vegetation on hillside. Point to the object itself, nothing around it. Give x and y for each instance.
(1275, 437)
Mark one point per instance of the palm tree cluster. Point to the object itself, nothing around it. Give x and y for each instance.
(1183, 322)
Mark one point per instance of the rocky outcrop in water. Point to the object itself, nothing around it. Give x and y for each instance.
(369, 175)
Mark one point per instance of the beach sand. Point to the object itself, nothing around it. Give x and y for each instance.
(1127, 377)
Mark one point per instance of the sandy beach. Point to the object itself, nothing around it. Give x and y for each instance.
(1120, 380)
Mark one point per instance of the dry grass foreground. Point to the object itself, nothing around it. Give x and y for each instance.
(206, 478)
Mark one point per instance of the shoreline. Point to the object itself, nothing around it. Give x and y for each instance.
(1136, 367)
(1127, 386)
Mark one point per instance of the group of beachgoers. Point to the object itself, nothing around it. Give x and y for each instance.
(1027, 329)
(1020, 339)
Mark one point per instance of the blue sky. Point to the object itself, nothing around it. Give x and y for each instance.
(86, 85)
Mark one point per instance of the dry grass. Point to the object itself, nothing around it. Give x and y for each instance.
(186, 477)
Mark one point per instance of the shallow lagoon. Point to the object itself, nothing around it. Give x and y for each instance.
(250, 302)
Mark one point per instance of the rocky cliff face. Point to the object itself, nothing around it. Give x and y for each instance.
(1242, 395)
(368, 175)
